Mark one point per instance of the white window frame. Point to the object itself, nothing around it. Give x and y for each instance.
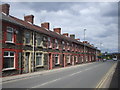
(13, 61)
(41, 59)
(68, 57)
(29, 38)
(38, 37)
(63, 44)
(49, 43)
(8, 31)
(56, 42)
(82, 58)
(56, 55)
(76, 58)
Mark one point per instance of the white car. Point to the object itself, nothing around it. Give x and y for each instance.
(114, 59)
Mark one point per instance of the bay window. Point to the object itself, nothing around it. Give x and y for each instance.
(9, 57)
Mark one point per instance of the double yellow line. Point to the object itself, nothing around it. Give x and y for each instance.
(101, 83)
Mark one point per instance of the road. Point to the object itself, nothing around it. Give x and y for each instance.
(80, 76)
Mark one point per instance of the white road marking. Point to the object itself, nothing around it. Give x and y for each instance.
(38, 86)
(24, 78)
(100, 84)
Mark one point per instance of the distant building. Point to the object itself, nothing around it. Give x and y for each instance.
(27, 47)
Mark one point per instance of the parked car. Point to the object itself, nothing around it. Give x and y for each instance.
(114, 58)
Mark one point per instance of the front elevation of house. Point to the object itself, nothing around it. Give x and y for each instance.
(28, 48)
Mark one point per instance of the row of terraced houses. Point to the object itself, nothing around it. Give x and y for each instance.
(27, 47)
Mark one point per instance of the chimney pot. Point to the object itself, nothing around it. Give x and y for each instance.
(72, 36)
(85, 42)
(78, 39)
(5, 8)
(57, 30)
(29, 18)
(65, 34)
(45, 25)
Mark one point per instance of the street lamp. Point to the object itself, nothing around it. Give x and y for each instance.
(84, 45)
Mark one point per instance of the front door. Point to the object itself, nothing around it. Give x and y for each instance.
(50, 61)
(27, 62)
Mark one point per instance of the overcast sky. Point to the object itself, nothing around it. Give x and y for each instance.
(99, 18)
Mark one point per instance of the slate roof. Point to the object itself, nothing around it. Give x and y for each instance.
(36, 28)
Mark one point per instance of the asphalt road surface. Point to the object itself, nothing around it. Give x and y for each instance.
(81, 76)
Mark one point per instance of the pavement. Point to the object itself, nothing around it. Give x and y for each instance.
(89, 75)
(115, 81)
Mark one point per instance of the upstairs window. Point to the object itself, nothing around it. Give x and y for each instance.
(27, 38)
(49, 42)
(8, 59)
(56, 43)
(10, 35)
(63, 44)
(39, 39)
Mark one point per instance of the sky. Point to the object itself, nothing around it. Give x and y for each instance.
(100, 19)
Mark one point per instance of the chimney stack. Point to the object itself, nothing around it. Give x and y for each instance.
(85, 42)
(45, 25)
(78, 39)
(29, 18)
(65, 34)
(72, 36)
(57, 30)
(5, 8)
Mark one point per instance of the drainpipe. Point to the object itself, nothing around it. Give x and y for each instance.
(33, 59)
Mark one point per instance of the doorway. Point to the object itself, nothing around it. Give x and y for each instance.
(27, 60)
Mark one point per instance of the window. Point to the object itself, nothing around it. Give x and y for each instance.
(76, 58)
(10, 34)
(8, 59)
(27, 38)
(56, 43)
(38, 38)
(63, 44)
(56, 59)
(39, 59)
(49, 42)
(68, 59)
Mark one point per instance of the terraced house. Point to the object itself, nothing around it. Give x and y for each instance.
(27, 47)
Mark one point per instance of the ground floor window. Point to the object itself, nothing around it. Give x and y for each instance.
(68, 59)
(39, 59)
(9, 57)
(82, 58)
(76, 59)
(56, 59)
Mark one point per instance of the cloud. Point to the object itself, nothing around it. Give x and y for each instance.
(99, 18)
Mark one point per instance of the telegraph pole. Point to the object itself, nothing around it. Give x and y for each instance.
(84, 45)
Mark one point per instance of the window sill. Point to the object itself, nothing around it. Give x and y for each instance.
(8, 69)
(28, 44)
(56, 63)
(68, 62)
(9, 42)
(39, 46)
(39, 66)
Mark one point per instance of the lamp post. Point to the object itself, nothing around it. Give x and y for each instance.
(101, 44)
(84, 45)
(96, 53)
